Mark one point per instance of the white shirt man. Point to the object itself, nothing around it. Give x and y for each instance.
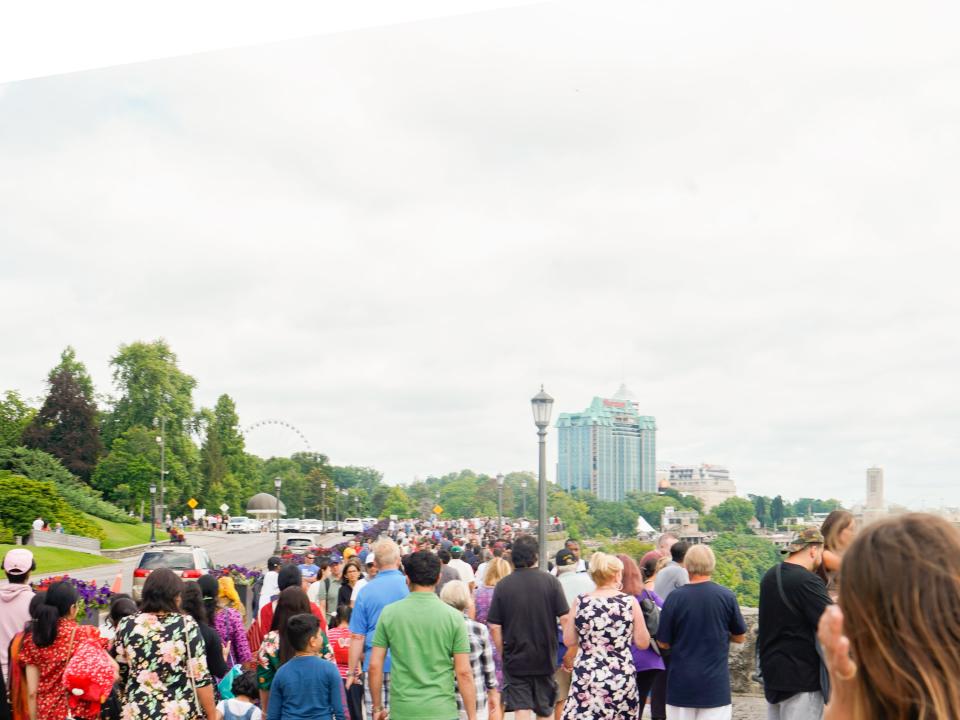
(463, 568)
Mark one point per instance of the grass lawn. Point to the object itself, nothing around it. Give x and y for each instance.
(122, 535)
(57, 560)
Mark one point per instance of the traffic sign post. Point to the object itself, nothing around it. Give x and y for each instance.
(192, 503)
(224, 507)
(437, 509)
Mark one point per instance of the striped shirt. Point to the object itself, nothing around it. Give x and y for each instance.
(481, 662)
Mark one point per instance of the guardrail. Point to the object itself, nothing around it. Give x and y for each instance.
(63, 540)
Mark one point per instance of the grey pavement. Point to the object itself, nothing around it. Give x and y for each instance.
(745, 707)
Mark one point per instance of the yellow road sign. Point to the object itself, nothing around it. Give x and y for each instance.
(437, 509)
(192, 503)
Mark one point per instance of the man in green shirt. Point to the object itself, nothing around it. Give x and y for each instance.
(428, 645)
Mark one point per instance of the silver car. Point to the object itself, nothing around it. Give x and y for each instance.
(187, 561)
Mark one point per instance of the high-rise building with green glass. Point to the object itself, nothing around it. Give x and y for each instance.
(609, 449)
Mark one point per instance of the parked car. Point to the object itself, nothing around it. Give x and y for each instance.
(241, 524)
(298, 545)
(311, 526)
(187, 561)
(290, 525)
(351, 526)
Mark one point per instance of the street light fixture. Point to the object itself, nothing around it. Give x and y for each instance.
(276, 484)
(153, 510)
(542, 406)
(323, 501)
(500, 505)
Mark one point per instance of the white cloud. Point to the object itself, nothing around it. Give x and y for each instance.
(389, 238)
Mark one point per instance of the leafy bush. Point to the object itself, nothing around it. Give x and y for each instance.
(742, 561)
(38, 465)
(6, 535)
(22, 499)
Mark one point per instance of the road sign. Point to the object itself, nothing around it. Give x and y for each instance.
(192, 503)
(437, 509)
(224, 507)
(197, 514)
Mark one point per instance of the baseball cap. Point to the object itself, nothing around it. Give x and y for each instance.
(565, 558)
(18, 561)
(456, 550)
(807, 536)
(273, 563)
(370, 559)
(336, 558)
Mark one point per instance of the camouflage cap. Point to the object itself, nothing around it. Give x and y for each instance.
(807, 536)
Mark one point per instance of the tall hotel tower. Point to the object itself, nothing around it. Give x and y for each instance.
(609, 449)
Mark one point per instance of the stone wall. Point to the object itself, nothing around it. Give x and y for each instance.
(743, 658)
(62, 540)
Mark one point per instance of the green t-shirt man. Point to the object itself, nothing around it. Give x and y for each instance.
(423, 634)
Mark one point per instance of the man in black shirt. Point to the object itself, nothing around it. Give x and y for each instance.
(523, 621)
(792, 599)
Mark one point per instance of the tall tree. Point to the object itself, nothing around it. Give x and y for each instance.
(777, 510)
(67, 425)
(15, 417)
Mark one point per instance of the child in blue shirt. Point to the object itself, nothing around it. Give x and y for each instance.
(306, 687)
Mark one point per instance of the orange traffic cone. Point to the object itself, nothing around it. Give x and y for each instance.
(117, 584)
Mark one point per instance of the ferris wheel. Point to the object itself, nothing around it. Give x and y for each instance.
(276, 437)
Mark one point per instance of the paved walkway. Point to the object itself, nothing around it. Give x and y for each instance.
(745, 707)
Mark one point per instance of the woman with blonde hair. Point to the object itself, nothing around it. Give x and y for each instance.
(893, 644)
(605, 623)
(838, 531)
(497, 569)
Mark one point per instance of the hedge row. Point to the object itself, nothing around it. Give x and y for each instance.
(22, 500)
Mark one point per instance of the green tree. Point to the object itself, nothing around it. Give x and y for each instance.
(742, 561)
(777, 511)
(67, 425)
(731, 515)
(573, 512)
(134, 462)
(23, 499)
(760, 509)
(15, 417)
(398, 503)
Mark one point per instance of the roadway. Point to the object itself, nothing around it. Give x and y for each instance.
(248, 550)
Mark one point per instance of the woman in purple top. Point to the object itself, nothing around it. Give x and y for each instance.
(227, 622)
(497, 569)
(648, 662)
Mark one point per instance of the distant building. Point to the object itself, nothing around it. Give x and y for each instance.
(685, 524)
(609, 449)
(711, 484)
(876, 507)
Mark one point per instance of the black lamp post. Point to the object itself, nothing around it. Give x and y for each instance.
(500, 505)
(523, 487)
(542, 407)
(323, 502)
(276, 484)
(153, 511)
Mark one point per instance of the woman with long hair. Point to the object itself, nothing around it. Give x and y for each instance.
(605, 623)
(19, 707)
(53, 637)
(496, 570)
(838, 531)
(192, 605)
(648, 663)
(276, 649)
(892, 645)
(225, 619)
(352, 572)
(163, 665)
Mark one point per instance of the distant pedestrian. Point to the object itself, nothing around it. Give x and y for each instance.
(698, 622)
(429, 646)
(523, 621)
(792, 599)
(462, 567)
(269, 589)
(674, 575)
(339, 636)
(654, 676)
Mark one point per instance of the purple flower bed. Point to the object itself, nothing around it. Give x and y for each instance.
(92, 597)
(241, 575)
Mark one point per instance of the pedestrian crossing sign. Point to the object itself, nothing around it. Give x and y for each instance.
(437, 509)
(192, 503)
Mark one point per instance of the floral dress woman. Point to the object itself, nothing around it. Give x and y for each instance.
(52, 661)
(604, 685)
(229, 625)
(162, 660)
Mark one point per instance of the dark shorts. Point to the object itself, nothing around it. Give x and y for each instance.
(530, 692)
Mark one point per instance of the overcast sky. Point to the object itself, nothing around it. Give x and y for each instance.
(389, 238)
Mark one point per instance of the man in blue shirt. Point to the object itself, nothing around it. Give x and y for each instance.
(697, 624)
(309, 569)
(387, 587)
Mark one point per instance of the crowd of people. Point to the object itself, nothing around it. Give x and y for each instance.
(460, 622)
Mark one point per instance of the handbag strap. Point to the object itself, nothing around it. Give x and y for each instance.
(193, 682)
(783, 595)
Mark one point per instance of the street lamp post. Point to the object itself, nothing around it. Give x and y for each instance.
(162, 441)
(523, 487)
(276, 484)
(542, 406)
(323, 501)
(153, 510)
(500, 505)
